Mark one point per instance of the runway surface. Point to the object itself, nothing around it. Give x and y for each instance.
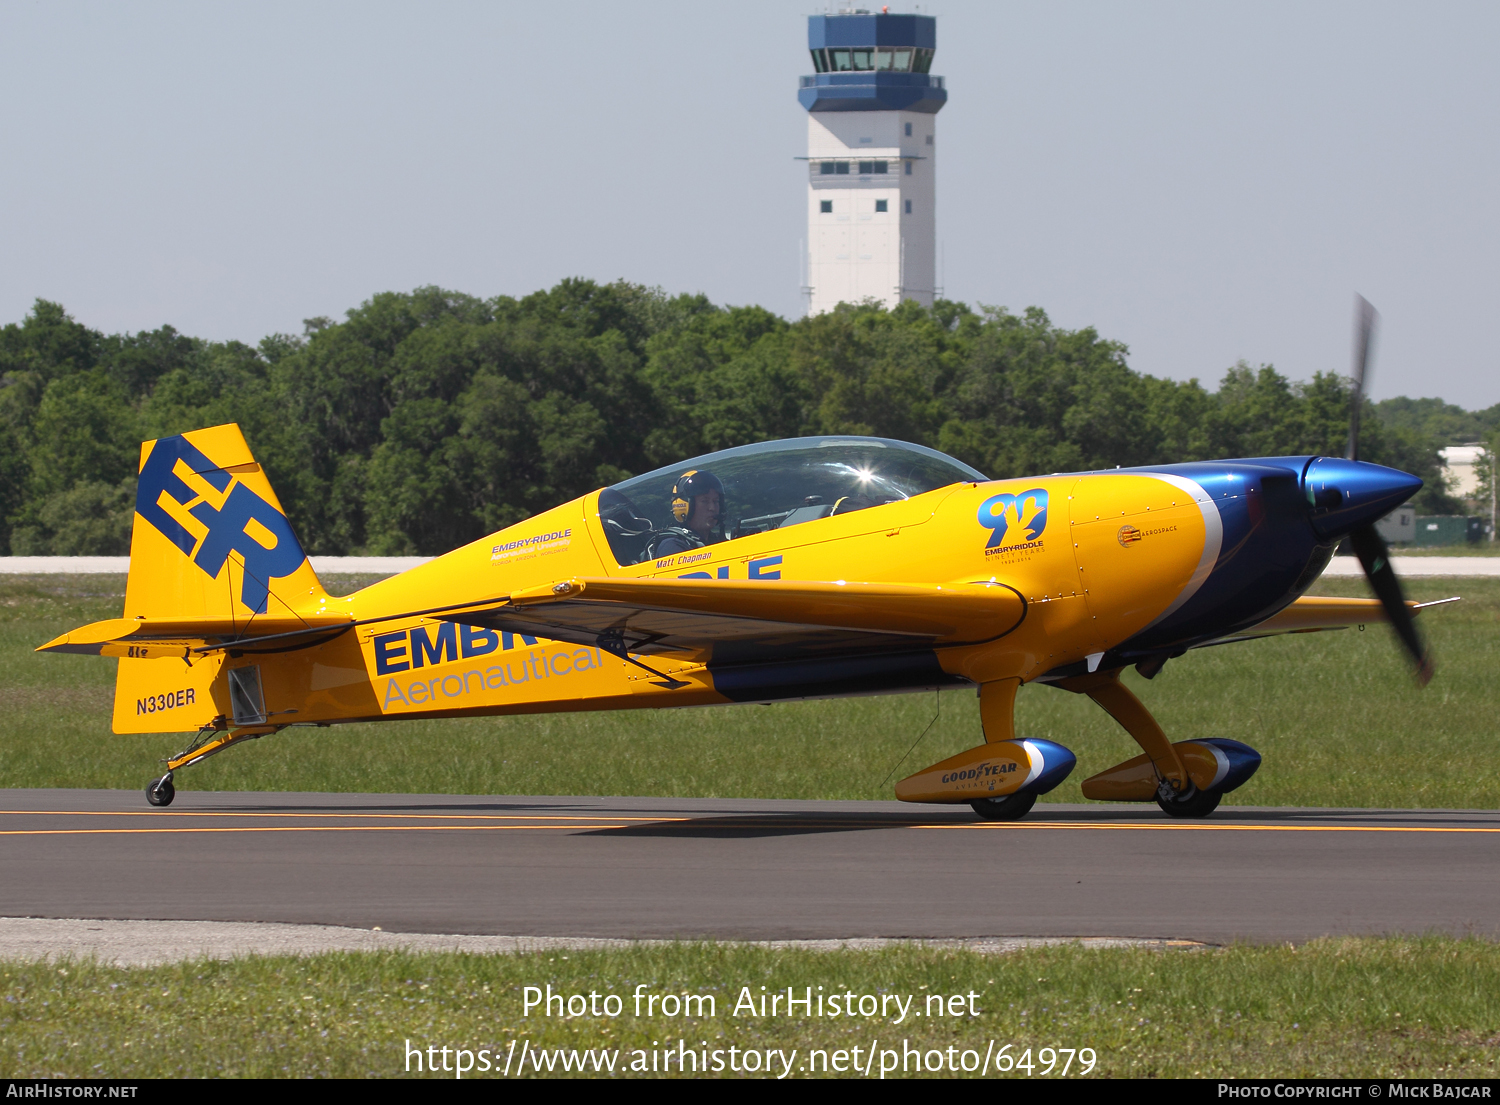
(651, 868)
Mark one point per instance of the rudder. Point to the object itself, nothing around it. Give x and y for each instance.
(210, 536)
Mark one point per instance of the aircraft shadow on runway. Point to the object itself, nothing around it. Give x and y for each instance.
(788, 824)
(689, 822)
(769, 824)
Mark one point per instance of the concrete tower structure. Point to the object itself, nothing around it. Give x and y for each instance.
(871, 106)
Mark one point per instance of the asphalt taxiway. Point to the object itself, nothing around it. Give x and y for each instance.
(737, 869)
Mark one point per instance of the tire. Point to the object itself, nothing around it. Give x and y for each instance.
(1200, 803)
(1012, 807)
(161, 792)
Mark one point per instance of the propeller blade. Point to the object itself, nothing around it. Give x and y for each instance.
(1364, 338)
(1375, 558)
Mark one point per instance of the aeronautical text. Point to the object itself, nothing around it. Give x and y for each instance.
(497, 660)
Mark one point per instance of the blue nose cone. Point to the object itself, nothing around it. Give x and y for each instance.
(1347, 494)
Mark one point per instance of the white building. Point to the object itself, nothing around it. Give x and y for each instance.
(1460, 469)
(871, 160)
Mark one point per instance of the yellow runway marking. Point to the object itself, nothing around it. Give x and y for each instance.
(1169, 826)
(369, 816)
(306, 829)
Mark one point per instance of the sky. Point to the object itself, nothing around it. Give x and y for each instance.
(1206, 183)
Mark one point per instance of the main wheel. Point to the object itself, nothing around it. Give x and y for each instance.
(1012, 807)
(160, 792)
(1196, 803)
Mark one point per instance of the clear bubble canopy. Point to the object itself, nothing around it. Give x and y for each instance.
(776, 484)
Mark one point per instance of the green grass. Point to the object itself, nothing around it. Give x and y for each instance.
(1482, 548)
(1336, 715)
(1352, 1008)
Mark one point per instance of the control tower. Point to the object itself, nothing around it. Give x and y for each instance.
(871, 106)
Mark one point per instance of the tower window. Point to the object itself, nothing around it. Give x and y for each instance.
(826, 206)
(908, 207)
(929, 139)
(899, 59)
(908, 130)
(879, 206)
(825, 168)
(908, 168)
(841, 167)
(866, 168)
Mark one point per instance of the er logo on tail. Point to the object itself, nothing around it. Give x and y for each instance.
(229, 526)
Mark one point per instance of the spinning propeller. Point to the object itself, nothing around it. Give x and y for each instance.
(1369, 546)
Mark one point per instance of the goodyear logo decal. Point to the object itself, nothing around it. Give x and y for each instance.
(986, 770)
(1015, 522)
(270, 552)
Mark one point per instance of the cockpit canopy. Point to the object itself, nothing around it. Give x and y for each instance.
(776, 484)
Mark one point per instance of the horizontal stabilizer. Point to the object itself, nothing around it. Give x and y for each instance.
(145, 637)
(1310, 614)
(732, 621)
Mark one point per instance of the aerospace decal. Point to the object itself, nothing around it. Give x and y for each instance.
(1130, 535)
(229, 522)
(1015, 522)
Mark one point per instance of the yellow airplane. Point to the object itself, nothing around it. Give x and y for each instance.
(805, 568)
(852, 565)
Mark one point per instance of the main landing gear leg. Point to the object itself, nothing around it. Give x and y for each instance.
(997, 714)
(997, 710)
(1175, 792)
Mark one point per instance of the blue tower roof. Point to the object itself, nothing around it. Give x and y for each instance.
(870, 62)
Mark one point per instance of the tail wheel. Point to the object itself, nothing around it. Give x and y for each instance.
(1012, 807)
(161, 791)
(1195, 803)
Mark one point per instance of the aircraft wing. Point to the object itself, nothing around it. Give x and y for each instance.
(734, 621)
(1310, 614)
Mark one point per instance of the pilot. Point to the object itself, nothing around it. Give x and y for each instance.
(697, 503)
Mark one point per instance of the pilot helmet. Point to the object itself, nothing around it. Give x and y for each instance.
(691, 483)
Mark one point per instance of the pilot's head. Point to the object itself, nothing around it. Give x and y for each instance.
(698, 500)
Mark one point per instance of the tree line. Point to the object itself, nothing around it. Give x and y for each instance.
(430, 418)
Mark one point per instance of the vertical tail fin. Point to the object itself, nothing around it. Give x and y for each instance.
(210, 537)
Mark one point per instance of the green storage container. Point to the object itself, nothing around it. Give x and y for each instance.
(1447, 529)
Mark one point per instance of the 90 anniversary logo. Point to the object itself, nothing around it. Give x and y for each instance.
(1021, 518)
